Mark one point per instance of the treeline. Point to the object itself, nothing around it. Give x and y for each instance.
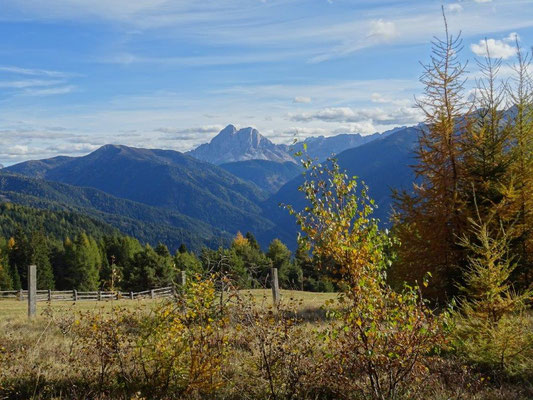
(105, 259)
(474, 190)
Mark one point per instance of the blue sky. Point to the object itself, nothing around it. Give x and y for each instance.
(77, 74)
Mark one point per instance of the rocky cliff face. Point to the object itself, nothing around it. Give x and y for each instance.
(232, 145)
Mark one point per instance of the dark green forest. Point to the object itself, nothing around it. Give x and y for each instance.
(73, 251)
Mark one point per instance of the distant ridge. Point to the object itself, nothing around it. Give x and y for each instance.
(164, 179)
(232, 145)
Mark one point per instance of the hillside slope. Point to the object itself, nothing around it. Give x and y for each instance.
(383, 164)
(163, 179)
(146, 223)
(267, 175)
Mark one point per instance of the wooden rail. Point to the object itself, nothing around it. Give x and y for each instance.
(75, 295)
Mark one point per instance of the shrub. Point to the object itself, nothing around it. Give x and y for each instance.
(383, 339)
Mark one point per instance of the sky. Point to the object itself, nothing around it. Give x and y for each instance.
(77, 74)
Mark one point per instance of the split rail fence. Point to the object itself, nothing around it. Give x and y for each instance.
(33, 295)
(75, 295)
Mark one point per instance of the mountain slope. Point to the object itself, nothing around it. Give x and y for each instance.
(148, 224)
(232, 145)
(382, 164)
(164, 179)
(267, 175)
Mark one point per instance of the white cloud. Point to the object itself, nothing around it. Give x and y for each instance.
(29, 83)
(497, 48)
(36, 82)
(36, 72)
(382, 30)
(301, 99)
(50, 91)
(483, 1)
(396, 116)
(365, 127)
(454, 8)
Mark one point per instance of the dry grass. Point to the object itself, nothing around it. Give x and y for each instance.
(14, 309)
(40, 359)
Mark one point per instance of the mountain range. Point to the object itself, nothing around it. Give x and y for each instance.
(232, 145)
(172, 197)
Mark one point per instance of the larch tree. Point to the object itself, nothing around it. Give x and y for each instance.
(520, 91)
(429, 219)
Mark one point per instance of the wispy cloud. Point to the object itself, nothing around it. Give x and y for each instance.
(301, 99)
(37, 72)
(50, 91)
(36, 82)
(396, 116)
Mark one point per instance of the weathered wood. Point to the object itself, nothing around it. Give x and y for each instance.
(131, 295)
(49, 295)
(32, 290)
(183, 278)
(152, 294)
(75, 295)
(275, 285)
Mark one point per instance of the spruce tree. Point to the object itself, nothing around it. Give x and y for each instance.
(41, 258)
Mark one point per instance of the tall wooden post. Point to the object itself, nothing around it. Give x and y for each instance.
(32, 290)
(49, 294)
(75, 295)
(275, 285)
(152, 294)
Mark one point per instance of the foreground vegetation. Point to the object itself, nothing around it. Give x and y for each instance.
(194, 348)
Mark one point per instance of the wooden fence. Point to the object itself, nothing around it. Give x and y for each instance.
(74, 295)
(34, 295)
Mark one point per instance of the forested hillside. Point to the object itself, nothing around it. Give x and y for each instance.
(146, 223)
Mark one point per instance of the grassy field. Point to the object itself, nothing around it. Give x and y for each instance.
(53, 356)
(14, 309)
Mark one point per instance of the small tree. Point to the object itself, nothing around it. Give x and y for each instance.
(383, 338)
(492, 328)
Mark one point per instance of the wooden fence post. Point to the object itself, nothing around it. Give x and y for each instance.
(152, 294)
(99, 295)
(49, 294)
(275, 285)
(32, 290)
(183, 278)
(131, 295)
(75, 295)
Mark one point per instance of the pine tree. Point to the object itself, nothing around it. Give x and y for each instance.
(252, 241)
(147, 269)
(41, 258)
(20, 256)
(12, 268)
(6, 282)
(290, 274)
(83, 261)
(162, 250)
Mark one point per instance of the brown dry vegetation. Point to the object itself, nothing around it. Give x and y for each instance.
(87, 350)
